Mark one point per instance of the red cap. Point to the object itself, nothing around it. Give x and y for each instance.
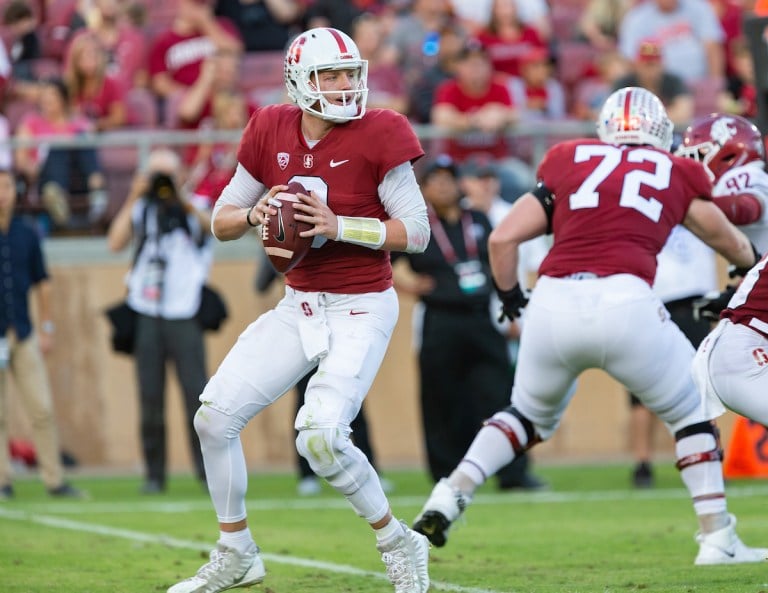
(649, 51)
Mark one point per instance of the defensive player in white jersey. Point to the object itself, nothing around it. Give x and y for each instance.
(611, 204)
(339, 308)
(732, 151)
(731, 365)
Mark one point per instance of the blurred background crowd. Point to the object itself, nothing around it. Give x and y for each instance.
(469, 71)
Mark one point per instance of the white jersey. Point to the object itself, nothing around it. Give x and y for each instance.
(687, 267)
(749, 179)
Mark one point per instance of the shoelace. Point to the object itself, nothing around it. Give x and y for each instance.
(398, 571)
(213, 567)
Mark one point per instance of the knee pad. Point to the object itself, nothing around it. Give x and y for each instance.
(332, 456)
(700, 428)
(501, 420)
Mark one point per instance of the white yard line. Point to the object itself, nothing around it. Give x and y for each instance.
(50, 521)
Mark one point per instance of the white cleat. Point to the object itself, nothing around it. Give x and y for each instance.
(407, 561)
(725, 547)
(227, 569)
(444, 505)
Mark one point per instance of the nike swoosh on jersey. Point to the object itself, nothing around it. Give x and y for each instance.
(337, 163)
(354, 312)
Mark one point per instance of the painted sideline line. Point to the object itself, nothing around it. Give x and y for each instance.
(172, 542)
(188, 506)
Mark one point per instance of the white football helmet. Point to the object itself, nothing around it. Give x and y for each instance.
(634, 115)
(323, 49)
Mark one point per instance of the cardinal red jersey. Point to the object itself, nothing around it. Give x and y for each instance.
(615, 206)
(345, 168)
(749, 306)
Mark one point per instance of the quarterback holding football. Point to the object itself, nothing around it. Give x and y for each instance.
(360, 201)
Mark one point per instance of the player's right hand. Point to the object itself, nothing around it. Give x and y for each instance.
(711, 304)
(513, 301)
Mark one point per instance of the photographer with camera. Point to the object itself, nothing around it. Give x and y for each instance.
(171, 262)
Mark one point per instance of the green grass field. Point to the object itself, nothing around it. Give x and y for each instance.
(589, 533)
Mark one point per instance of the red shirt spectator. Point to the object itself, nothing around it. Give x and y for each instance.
(176, 59)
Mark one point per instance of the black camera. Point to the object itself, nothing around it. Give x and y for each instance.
(162, 188)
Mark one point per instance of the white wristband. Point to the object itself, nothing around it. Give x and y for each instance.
(367, 232)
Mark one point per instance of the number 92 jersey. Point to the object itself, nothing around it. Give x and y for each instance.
(615, 205)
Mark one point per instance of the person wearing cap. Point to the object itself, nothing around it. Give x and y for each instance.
(688, 31)
(649, 73)
(464, 365)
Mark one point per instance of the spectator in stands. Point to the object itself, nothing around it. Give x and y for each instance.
(688, 32)
(22, 346)
(740, 96)
(591, 92)
(600, 21)
(215, 163)
(477, 110)
(535, 92)
(124, 43)
(22, 41)
(177, 56)
(57, 171)
(341, 14)
(650, 73)
(476, 15)
(414, 42)
(422, 93)
(386, 88)
(95, 94)
(507, 38)
(264, 25)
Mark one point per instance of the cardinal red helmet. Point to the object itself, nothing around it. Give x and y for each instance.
(722, 141)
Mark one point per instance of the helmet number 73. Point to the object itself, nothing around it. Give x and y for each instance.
(631, 197)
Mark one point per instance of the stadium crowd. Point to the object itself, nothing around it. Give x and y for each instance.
(472, 70)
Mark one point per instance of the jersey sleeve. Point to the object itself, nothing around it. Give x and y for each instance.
(250, 144)
(697, 180)
(398, 144)
(553, 164)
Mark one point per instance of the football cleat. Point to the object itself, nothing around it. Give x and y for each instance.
(227, 569)
(442, 508)
(407, 560)
(724, 547)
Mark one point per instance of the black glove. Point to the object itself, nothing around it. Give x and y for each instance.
(733, 271)
(709, 306)
(512, 302)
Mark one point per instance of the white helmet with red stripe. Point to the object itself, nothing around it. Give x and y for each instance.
(633, 115)
(323, 49)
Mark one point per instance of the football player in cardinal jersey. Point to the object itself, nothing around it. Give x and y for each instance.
(610, 204)
(339, 308)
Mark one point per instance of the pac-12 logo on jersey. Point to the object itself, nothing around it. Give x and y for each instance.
(282, 160)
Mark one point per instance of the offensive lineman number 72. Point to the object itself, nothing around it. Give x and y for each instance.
(587, 196)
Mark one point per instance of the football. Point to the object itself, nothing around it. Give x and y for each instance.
(280, 233)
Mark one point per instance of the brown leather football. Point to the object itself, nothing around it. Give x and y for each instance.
(280, 234)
